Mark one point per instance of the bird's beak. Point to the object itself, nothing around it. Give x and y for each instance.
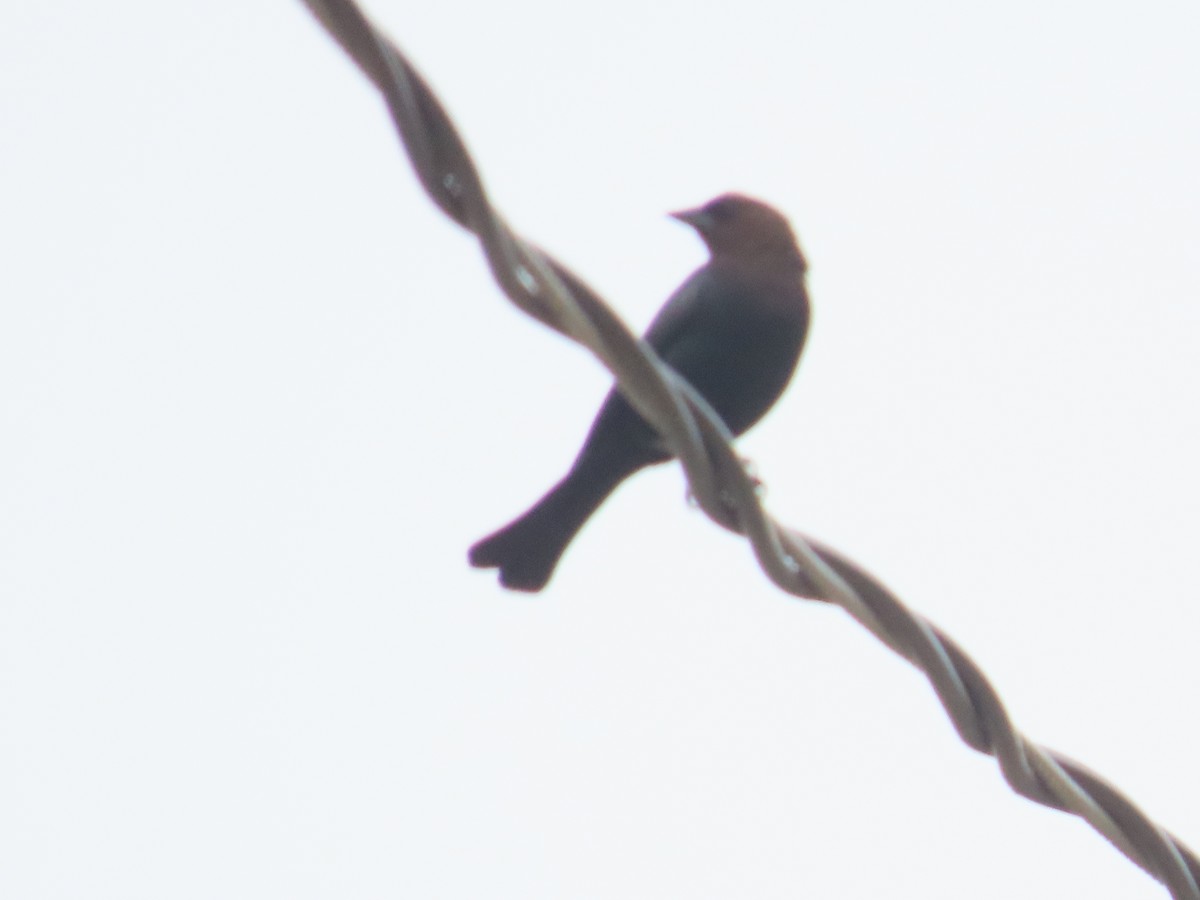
(697, 218)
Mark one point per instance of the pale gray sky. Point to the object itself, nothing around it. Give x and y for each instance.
(258, 397)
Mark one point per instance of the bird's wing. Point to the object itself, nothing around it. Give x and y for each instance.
(691, 301)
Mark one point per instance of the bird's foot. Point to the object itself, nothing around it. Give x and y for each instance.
(751, 471)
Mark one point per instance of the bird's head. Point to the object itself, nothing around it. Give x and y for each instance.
(740, 227)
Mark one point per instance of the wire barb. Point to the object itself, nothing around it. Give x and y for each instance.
(545, 289)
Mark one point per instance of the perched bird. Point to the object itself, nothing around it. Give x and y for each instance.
(734, 329)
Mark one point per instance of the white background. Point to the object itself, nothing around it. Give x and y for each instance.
(257, 397)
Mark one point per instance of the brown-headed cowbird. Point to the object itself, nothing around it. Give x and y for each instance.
(734, 330)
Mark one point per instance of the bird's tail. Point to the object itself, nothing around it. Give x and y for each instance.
(527, 550)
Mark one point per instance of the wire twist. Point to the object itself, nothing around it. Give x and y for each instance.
(545, 289)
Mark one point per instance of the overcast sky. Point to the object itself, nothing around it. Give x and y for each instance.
(258, 396)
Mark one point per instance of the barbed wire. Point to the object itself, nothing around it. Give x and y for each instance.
(545, 289)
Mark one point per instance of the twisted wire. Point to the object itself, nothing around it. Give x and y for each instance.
(545, 289)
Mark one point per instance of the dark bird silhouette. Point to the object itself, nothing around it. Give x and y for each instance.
(734, 329)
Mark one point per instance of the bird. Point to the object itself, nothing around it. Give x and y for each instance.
(734, 330)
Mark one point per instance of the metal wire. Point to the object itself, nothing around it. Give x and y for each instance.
(542, 287)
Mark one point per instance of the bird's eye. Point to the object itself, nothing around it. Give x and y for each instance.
(721, 210)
